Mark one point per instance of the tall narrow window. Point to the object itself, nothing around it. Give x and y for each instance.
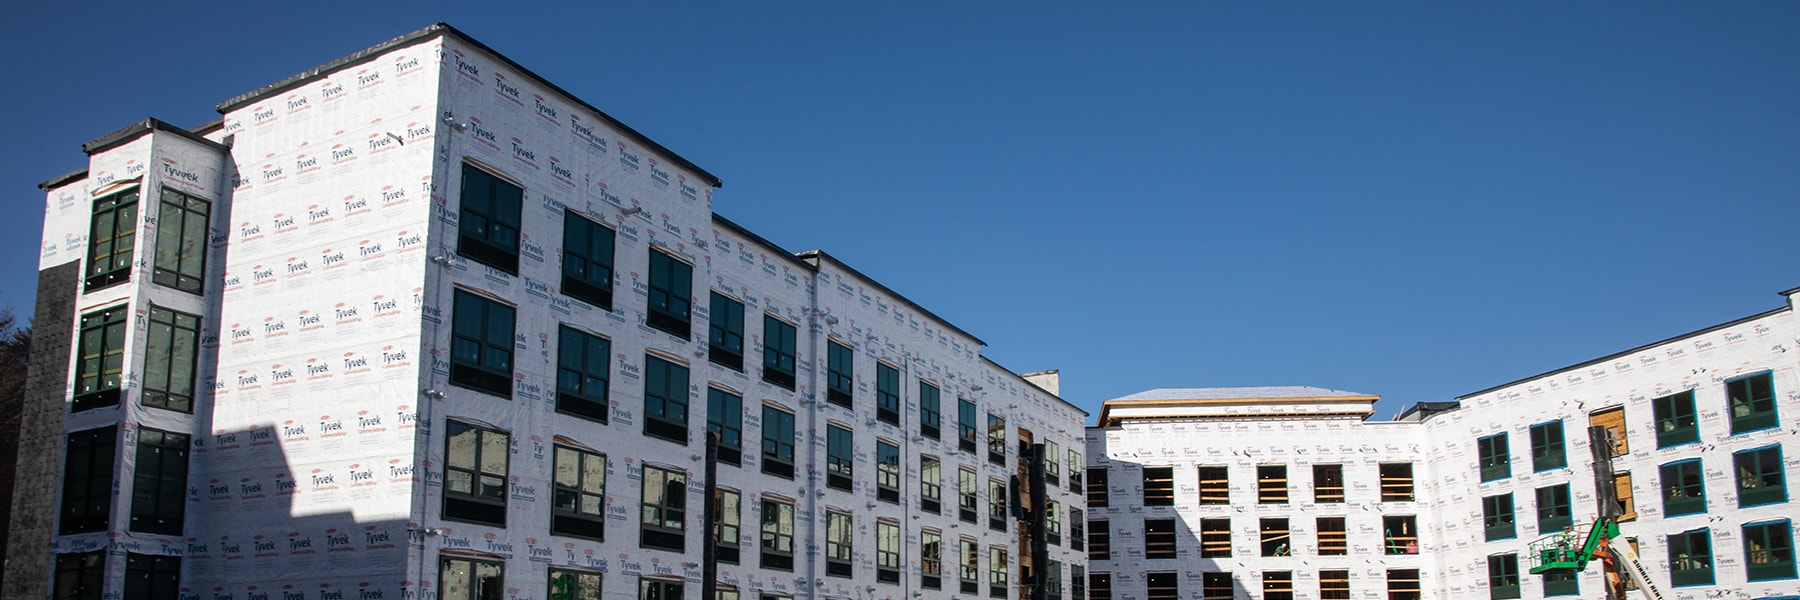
(1077, 530)
(887, 471)
(1328, 483)
(969, 574)
(80, 576)
(887, 393)
(1275, 537)
(663, 517)
(154, 577)
(481, 344)
(931, 559)
(111, 236)
(996, 505)
(475, 461)
(169, 360)
(88, 480)
(570, 584)
(181, 231)
(996, 439)
(887, 551)
(1271, 484)
(102, 359)
(587, 260)
(1613, 419)
(1493, 457)
(1769, 550)
(671, 288)
(1497, 517)
(1503, 576)
(778, 351)
(488, 226)
(1161, 585)
(965, 425)
(1752, 402)
(725, 417)
(777, 535)
(1052, 524)
(1052, 463)
(656, 589)
(840, 374)
(1547, 448)
(1215, 538)
(1759, 476)
(725, 332)
(159, 484)
(1159, 538)
(583, 370)
(929, 418)
(1396, 482)
(1334, 585)
(1675, 421)
(1278, 585)
(1100, 540)
(578, 507)
(777, 442)
(1684, 492)
(1690, 558)
(1627, 498)
(966, 493)
(665, 400)
(1333, 536)
(840, 543)
(1078, 580)
(1053, 588)
(1159, 486)
(1096, 487)
(840, 452)
(1400, 534)
(997, 572)
(731, 523)
(1076, 468)
(931, 484)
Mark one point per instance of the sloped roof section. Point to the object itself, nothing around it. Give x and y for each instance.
(1240, 393)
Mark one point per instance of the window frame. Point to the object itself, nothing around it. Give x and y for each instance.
(966, 432)
(1503, 576)
(1391, 542)
(930, 419)
(1757, 413)
(159, 494)
(777, 442)
(575, 584)
(669, 291)
(1687, 495)
(1328, 484)
(840, 543)
(725, 416)
(485, 223)
(587, 273)
(887, 471)
(779, 351)
(1499, 518)
(100, 358)
(176, 215)
(662, 519)
(1159, 486)
(485, 502)
(1099, 540)
(123, 232)
(1493, 457)
(840, 373)
(1159, 539)
(657, 588)
(725, 331)
(773, 535)
(731, 526)
(583, 388)
(1774, 547)
(1267, 490)
(1760, 476)
(666, 409)
(887, 393)
(1396, 486)
(1548, 446)
(485, 315)
(1212, 543)
(931, 484)
(840, 457)
(1676, 420)
(152, 577)
(576, 519)
(480, 586)
(1330, 544)
(996, 442)
(1555, 512)
(997, 509)
(887, 551)
(87, 491)
(171, 360)
(79, 575)
(931, 559)
(1682, 553)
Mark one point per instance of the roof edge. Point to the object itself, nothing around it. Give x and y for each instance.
(779, 251)
(141, 128)
(816, 254)
(1084, 413)
(64, 179)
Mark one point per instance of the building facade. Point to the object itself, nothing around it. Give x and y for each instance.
(419, 324)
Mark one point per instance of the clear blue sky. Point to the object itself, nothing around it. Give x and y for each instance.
(1417, 200)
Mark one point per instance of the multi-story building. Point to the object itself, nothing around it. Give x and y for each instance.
(419, 323)
(1271, 493)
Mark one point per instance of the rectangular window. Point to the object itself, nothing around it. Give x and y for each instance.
(1100, 586)
(1271, 484)
(1497, 517)
(481, 344)
(930, 419)
(970, 574)
(1503, 576)
(1752, 402)
(1096, 487)
(153, 577)
(1403, 584)
(1553, 509)
(1561, 583)
(1159, 538)
(569, 584)
(965, 425)
(887, 393)
(1215, 538)
(1053, 589)
(777, 535)
(996, 504)
(1052, 463)
(1076, 467)
(1613, 419)
(931, 484)
(466, 579)
(578, 507)
(1400, 535)
(1161, 586)
(1077, 530)
(1396, 482)
(996, 572)
(1333, 536)
(887, 551)
(1275, 537)
(725, 418)
(1278, 585)
(88, 480)
(1675, 422)
(181, 232)
(966, 494)
(1078, 580)
(583, 372)
(671, 289)
(777, 442)
(931, 559)
(665, 400)
(80, 576)
(656, 589)
(840, 374)
(1159, 486)
(101, 359)
(1627, 500)
(1759, 476)
(475, 461)
(488, 225)
(887, 471)
(840, 543)
(996, 441)
(1334, 585)
(731, 523)
(1547, 447)
(725, 332)
(169, 360)
(1328, 483)
(111, 236)
(1769, 550)
(664, 510)
(159, 485)
(1100, 540)
(1684, 492)
(778, 351)
(840, 453)
(1217, 586)
(587, 260)
(1690, 558)
(1493, 457)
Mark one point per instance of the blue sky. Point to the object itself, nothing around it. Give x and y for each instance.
(1416, 200)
